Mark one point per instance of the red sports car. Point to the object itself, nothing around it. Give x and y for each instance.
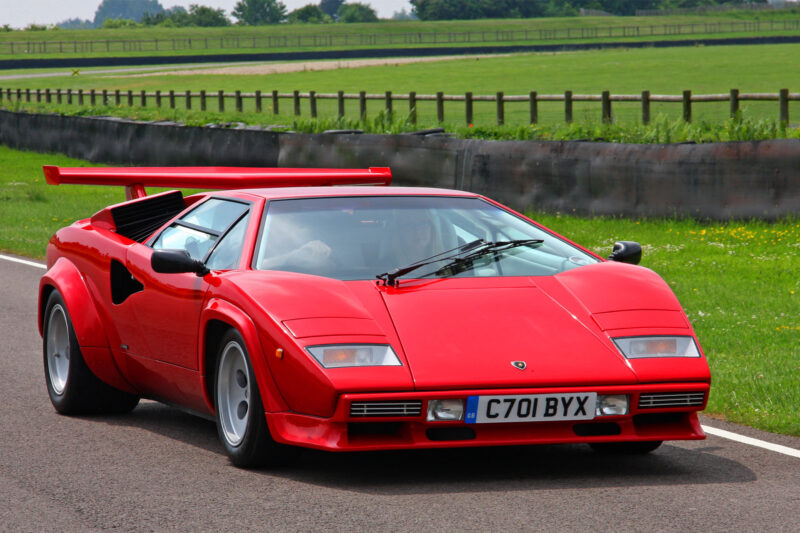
(359, 317)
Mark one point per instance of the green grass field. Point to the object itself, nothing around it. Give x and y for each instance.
(703, 70)
(174, 41)
(737, 281)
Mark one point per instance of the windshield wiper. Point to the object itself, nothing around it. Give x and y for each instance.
(390, 278)
(454, 266)
(477, 248)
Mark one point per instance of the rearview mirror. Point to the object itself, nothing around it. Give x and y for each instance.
(176, 262)
(626, 252)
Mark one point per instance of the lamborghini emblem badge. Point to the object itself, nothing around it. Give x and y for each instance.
(519, 364)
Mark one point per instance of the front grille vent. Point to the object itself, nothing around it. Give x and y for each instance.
(386, 409)
(658, 400)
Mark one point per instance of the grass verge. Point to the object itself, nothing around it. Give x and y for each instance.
(737, 281)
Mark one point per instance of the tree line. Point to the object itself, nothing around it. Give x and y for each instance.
(138, 13)
(478, 9)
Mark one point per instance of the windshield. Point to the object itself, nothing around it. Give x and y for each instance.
(360, 237)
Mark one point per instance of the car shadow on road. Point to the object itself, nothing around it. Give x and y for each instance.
(506, 468)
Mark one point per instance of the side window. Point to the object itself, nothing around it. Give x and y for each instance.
(199, 230)
(228, 251)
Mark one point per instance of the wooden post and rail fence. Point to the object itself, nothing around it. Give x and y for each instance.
(207, 100)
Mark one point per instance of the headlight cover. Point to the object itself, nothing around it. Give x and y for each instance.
(657, 346)
(352, 355)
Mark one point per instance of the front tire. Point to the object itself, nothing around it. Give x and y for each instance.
(625, 448)
(71, 385)
(241, 422)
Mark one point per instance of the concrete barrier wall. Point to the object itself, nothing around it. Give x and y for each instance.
(715, 181)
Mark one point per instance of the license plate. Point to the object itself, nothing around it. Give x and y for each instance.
(530, 408)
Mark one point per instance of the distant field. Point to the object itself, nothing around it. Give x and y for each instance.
(703, 70)
(296, 37)
(737, 281)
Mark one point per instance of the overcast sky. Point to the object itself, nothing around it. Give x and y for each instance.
(20, 13)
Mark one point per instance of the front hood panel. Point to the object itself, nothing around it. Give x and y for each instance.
(465, 335)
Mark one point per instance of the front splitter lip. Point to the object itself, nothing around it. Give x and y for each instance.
(335, 433)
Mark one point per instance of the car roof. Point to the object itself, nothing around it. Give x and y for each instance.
(322, 192)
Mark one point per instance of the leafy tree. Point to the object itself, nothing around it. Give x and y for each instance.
(257, 12)
(125, 9)
(75, 24)
(311, 14)
(356, 12)
(330, 7)
(403, 15)
(207, 16)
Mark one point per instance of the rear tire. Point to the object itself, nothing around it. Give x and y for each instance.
(241, 422)
(71, 385)
(625, 448)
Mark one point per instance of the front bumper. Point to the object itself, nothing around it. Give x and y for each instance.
(345, 432)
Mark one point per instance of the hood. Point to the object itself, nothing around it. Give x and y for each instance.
(465, 333)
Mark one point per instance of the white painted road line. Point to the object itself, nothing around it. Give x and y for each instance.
(752, 442)
(711, 431)
(23, 262)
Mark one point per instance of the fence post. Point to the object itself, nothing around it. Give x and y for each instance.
(143, 96)
(468, 107)
(275, 109)
(1, 95)
(534, 107)
(258, 101)
(116, 98)
(606, 104)
(39, 95)
(158, 98)
(501, 112)
(19, 95)
(80, 97)
(440, 106)
(645, 107)
(734, 102)
(783, 104)
(171, 99)
(412, 107)
(238, 101)
(188, 99)
(221, 101)
(202, 99)
(362, 105)
(687, 106)
(48, 98)
(340, 103)
(296, 100)
(104, 94)
(130, 98)
(389, 105)
(568, 106)
(58, 96)
(312, 103)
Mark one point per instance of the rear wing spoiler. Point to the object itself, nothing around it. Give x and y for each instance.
(136, 178)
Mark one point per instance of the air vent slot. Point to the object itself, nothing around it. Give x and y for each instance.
(658, 400)
(386, 408)
(138, 220)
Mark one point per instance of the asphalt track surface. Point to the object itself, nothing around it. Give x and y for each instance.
(159, 469)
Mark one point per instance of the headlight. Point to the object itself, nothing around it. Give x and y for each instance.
(344, 355)
(449, 410)
(611, 404)
(642, 347)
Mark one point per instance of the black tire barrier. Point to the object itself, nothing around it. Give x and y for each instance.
(742, 180)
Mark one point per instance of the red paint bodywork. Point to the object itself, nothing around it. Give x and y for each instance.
(454, 337)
